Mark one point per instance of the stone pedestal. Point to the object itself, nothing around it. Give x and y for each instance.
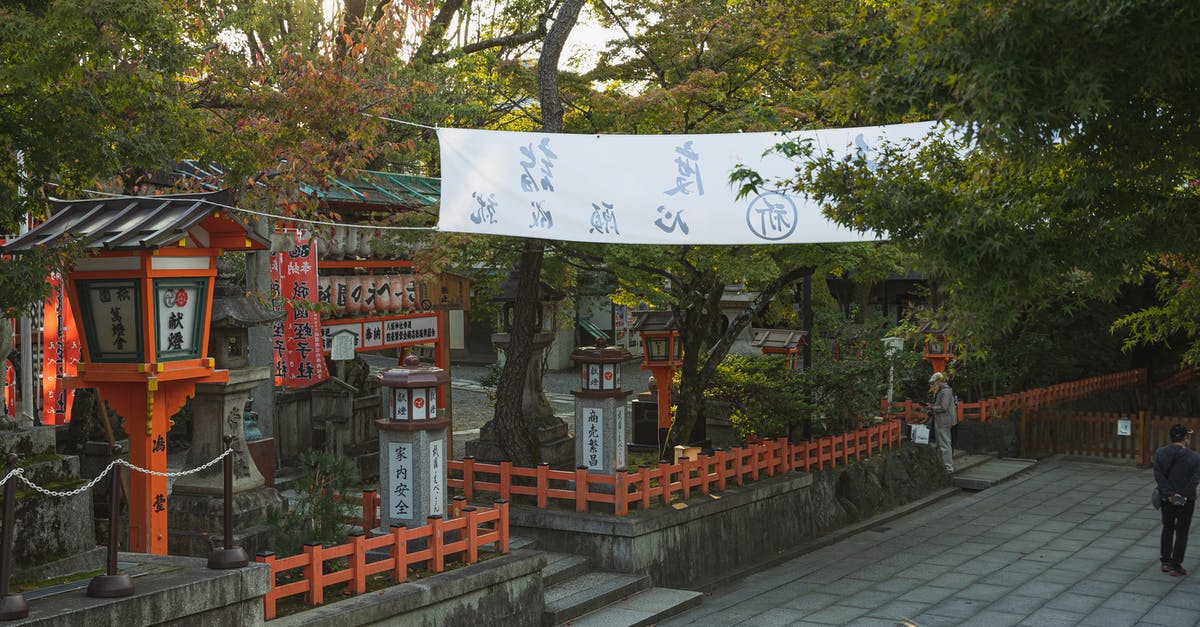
(412, 471)
(554, 440)
(195, 508)
(600, 442)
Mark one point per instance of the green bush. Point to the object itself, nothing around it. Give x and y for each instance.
(316, 515)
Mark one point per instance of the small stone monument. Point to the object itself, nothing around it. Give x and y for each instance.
(412, 444)
(600, 440)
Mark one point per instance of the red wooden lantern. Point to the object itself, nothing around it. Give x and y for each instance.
(663, 354)
(143, 299)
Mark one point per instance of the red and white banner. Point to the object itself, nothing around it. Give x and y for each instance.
(297, 337)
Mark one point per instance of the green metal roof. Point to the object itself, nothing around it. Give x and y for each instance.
(373, 187)
(363, 187)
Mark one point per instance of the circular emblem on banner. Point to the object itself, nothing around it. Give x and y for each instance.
(168, 299)
(418, 403)
(181, 298)
(608, 376)
(772, 216)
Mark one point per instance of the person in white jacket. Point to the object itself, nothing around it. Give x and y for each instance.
(944, 416)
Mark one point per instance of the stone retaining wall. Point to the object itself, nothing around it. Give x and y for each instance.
(505, 590)
(715, 537)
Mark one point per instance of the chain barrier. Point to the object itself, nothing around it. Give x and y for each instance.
(20, 474)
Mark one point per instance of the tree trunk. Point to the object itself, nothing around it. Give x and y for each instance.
(513, 427)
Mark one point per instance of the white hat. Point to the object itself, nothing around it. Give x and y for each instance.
(937, 376)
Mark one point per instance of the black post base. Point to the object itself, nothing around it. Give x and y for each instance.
(222, 559)
(108, 586)
(13, 606)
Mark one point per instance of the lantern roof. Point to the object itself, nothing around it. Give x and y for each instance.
(600, 353)
(508, 290)
(655, 321)
(143, 223)
(232, 308)
(779, 338)
(928, 327)
(414, 374)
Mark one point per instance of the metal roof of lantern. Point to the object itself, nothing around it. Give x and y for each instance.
(143, 222)
(654, 321)
(778, 338)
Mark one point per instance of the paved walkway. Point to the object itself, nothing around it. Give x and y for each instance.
(1065, 543)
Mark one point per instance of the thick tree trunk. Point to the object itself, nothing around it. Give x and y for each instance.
(512, 426)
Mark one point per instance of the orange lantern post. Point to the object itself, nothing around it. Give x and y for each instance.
(143, 299)
(938, 351)
(663, 355)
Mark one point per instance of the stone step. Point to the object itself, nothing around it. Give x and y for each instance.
(587, 592)
(990, 472)
(563, 566)
(644, 608)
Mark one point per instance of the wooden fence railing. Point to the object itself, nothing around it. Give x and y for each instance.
(1029, 400)
(458, 537)
(646, 485)
(1097, 434)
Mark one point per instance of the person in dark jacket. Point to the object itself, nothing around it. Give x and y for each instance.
(1177, 471)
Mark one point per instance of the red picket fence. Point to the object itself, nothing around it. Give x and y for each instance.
(460, 536)
(646, 485)
(1029, 400)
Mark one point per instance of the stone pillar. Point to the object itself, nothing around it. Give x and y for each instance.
(195, 506)
(600, 437)
(412, 444)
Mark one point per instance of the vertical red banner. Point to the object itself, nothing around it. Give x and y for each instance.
(296, 339)
(60, 357)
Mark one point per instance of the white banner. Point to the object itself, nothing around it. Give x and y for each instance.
(641, 189)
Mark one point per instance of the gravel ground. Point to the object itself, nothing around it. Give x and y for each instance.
(471, 407)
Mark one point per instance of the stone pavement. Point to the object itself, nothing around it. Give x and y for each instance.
(1067, 542)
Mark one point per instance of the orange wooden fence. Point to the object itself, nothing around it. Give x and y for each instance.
(460, 536)
(1095, 434)
(662, 483)
(1029, 400)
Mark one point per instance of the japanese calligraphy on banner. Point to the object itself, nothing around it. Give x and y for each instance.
(296, 338)
(641, 189)
(60, 343)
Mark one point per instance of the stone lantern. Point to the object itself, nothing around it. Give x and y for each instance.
(550, 431)
(600, 442)
(194, 510)
(412, 444)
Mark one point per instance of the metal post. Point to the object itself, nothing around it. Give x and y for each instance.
(112, 584)
(12, 606)
(230, 556)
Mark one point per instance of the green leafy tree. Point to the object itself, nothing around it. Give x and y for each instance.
(1073, 174)
(88, 91)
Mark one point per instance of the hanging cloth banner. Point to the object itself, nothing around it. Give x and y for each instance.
(299, 362)
(642, 189)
